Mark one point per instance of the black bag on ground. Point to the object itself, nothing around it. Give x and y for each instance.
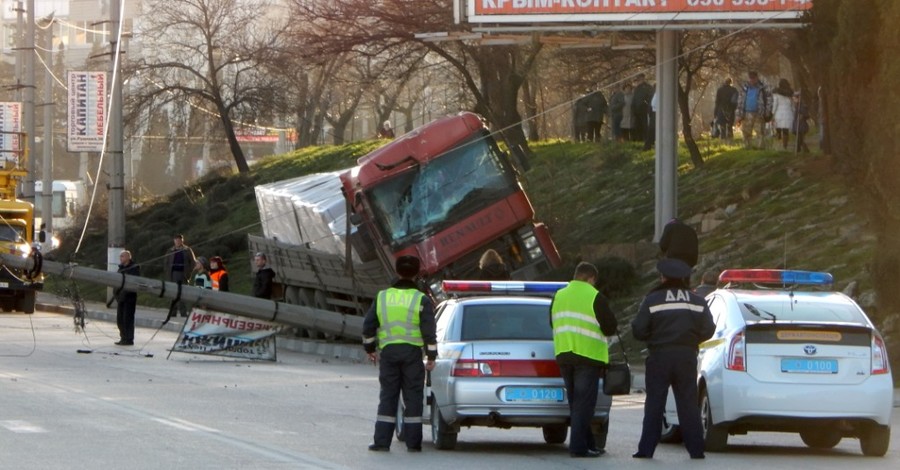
(617, 380)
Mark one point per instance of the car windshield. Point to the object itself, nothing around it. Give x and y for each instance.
(431, 197)
(802, 311)
(496, 322)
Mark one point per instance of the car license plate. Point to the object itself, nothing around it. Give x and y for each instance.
(809, 366)
(538, 394)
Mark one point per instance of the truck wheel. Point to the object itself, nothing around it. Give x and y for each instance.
(555, 433)
(715, 437)
(874, 440)
(292, 295)
(26, 302)
(443, 436)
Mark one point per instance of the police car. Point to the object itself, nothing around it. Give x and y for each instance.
(496, 365)
(789, 360)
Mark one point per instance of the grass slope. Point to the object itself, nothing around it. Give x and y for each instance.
(772, 209)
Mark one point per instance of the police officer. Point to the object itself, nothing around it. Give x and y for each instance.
(679, 240)
(400, 323)
(581, 320)
(673, 321)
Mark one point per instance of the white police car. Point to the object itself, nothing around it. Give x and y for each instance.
(496, 365)
(785, 360)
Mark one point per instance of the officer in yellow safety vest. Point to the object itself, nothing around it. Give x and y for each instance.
(400, 323)
(581, 319)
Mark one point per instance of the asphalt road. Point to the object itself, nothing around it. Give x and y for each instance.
(121, 407)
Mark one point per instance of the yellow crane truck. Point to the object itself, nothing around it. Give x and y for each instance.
(18, 287)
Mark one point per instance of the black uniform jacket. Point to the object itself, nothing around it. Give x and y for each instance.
(426, 322)
(671, 316)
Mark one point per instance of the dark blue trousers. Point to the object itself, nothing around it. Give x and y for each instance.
(401, 370)
(677, 368)
(581, 388)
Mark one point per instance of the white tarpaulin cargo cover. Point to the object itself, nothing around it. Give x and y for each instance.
(308, 210)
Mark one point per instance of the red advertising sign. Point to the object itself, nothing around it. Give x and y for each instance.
(632, 10)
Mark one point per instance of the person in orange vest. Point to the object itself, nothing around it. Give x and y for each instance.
(218, 274)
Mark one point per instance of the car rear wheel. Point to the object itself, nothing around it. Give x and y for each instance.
(820, 438)
(398, 428)
(671, 433)
(442, 434)
(875, 440)
(555, 433)
(715, 437)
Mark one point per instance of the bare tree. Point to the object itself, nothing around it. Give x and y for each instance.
(701, 53)
(207, 53)
(492, 74)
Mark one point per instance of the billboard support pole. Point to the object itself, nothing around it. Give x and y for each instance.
(666, 137)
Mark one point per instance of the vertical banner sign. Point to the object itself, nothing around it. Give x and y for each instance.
(222, 334)
(87, 111)
(10, 127)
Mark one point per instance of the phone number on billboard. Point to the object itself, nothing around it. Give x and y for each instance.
(743, 3)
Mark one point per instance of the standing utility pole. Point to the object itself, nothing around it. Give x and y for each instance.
(116, 142)
(47, 174)
(20, 56)
(29, 123)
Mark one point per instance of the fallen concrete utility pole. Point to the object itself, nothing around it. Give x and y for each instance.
(334, 323)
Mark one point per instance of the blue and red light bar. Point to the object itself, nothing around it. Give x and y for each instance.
(525, 287)
(776, 276)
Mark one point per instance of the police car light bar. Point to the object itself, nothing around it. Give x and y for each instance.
(776, 276)
(528, 287)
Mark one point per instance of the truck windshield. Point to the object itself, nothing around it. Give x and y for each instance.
(9, 233)
(431, 197)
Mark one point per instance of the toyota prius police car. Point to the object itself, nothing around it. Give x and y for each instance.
(496, 365)
(790, 360)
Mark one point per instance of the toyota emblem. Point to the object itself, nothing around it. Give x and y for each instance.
(809, 349)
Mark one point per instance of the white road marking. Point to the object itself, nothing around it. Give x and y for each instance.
(21, 427)
(184, 425)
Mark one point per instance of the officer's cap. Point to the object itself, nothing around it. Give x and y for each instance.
(673, 268)
(407, 266)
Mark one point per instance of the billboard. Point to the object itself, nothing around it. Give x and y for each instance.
(555, 11)
(10, 129)
(87, 111)
(210, 332)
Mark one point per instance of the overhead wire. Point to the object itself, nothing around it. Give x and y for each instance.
(544, 112)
